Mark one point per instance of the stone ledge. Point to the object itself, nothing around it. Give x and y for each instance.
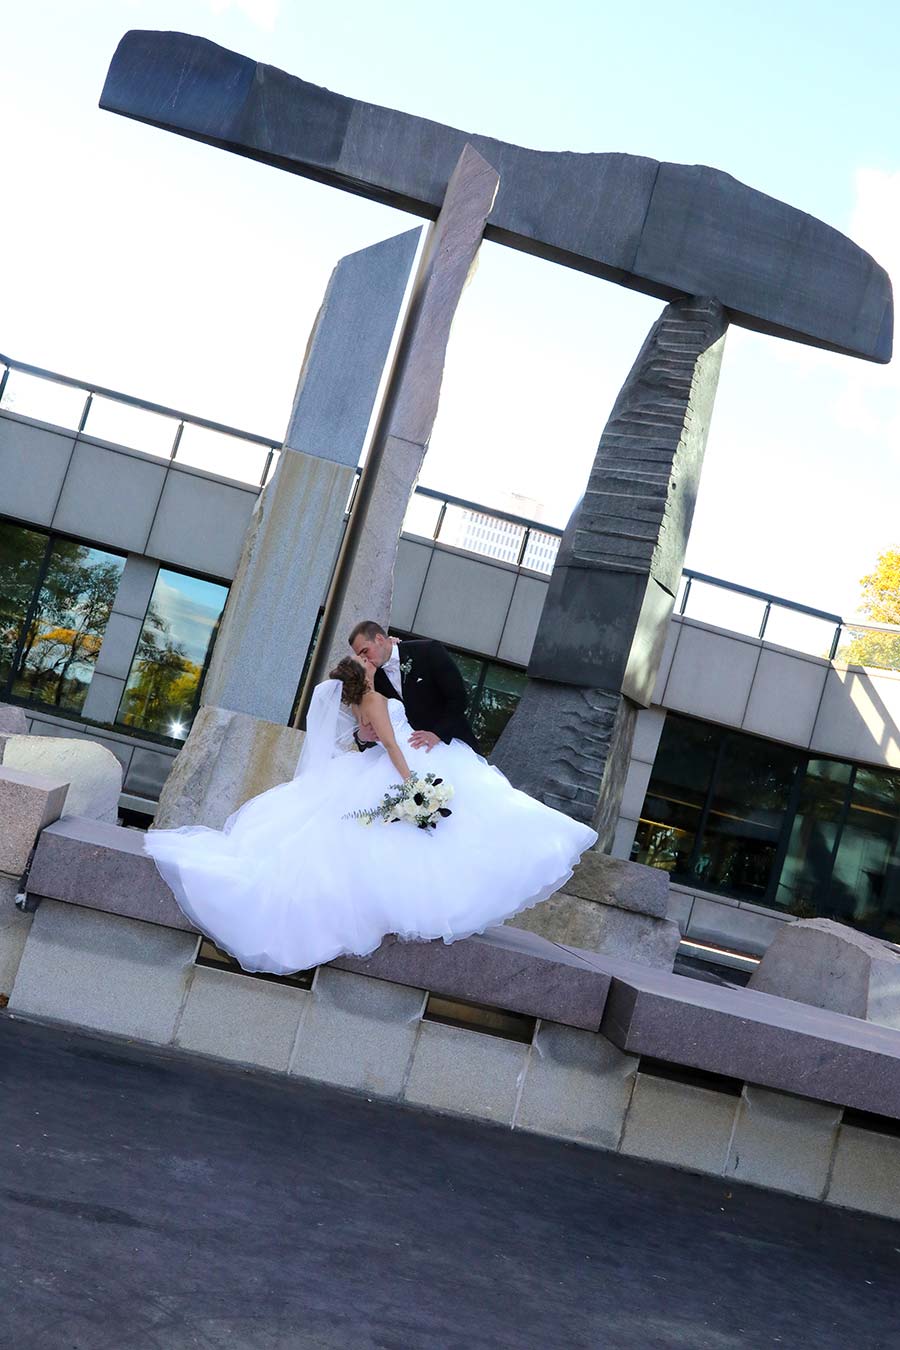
(758, 1038)
(502, 967)
(103, 867)
(100, 866)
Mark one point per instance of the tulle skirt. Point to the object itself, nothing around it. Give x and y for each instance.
(289, 883)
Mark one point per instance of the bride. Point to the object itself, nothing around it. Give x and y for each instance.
(291, 882)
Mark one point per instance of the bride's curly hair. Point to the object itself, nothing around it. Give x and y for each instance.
(353, 677)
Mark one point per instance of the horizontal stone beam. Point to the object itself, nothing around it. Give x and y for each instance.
(754, 1038)
(669, 230)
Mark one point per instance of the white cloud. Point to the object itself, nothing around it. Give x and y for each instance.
(262, 13)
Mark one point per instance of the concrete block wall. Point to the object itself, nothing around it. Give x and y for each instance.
(130, 501)
(481, 605)
(780, 694)
(128, 978)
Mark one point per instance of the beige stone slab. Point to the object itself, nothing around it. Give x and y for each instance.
(866, 1172)
(28, 802)
(237, 1017)
(98, 970)
(466, 1072)
(680, 1124)
(359, 1032)
(577, 1086)
(783, 1142)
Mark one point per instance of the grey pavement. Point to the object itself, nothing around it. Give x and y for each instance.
(150, 1199)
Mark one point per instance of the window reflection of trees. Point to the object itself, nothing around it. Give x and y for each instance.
(163, 686)
(49, 642)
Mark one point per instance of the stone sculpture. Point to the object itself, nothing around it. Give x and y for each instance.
(670, 230)
(599, 641)
(716, 250)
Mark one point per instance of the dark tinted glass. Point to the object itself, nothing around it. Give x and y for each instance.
(865, 881)
(746, 816)
(805, 875)
(164, 682)
(675, 798)
(63, 640)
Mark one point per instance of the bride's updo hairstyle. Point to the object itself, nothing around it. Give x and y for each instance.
(353, 677)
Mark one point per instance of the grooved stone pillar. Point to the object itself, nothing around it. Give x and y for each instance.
(364, 582)
(600, 639)
(295, 531)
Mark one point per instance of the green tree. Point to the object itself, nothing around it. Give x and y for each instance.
(880, 603)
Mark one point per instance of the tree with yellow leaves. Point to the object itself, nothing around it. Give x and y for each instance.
(880, 603)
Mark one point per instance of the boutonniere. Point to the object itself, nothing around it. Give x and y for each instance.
(406, 667)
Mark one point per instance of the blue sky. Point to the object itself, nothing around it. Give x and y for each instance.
(179, 273)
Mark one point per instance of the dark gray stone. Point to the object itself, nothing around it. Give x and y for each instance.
(603, 627)
(669, 230)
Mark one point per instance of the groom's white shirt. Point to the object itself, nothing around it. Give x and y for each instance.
(391, 669)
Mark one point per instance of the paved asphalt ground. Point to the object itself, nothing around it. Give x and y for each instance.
(153, 1200)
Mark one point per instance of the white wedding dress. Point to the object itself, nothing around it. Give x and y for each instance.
(289, 884)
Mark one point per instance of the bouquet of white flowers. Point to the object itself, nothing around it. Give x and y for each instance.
(419, 801)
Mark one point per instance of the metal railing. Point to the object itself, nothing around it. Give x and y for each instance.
(843, 634)
(461, 523)
(174, 448)
(475, 528)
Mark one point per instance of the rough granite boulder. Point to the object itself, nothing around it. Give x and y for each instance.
(612, 906)
(228, 758)
(93, 773)
(828, 965)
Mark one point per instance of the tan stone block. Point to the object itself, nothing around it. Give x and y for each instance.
(783, 1142)
(679, 1123)
(866, 1172)
(28, 802)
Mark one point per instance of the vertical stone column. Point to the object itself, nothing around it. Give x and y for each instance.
(364, 578)
(600, 639)
(240, 743)
(295, 532)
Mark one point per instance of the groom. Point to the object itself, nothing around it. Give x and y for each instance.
(425, 677)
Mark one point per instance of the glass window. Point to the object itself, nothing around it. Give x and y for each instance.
(746, 816)
(59, 647)
(674, 804)
(501, 690)
(806, 871)
(163, 686)
(865, 881)
(21, 554)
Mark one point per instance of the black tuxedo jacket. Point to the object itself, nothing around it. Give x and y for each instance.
(433, 691)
